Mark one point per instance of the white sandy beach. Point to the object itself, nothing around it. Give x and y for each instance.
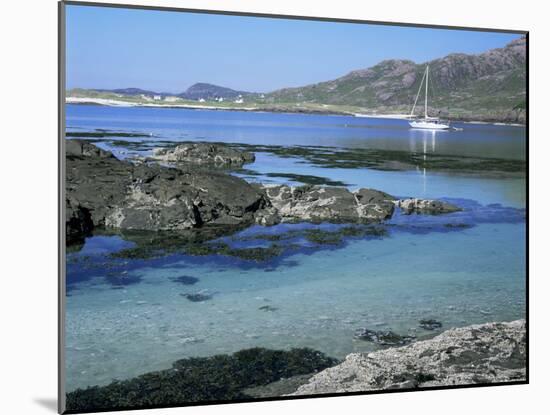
(117, 103)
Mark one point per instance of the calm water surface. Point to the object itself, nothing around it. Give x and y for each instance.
(300, 129)
(420, 269)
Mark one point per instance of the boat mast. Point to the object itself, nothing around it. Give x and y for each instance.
(418, 94)
(426, 97)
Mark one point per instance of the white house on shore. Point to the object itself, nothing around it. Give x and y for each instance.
(157, 97)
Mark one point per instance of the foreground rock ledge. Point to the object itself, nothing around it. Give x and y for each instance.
(486, 353)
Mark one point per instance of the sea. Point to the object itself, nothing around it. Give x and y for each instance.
(459, 269)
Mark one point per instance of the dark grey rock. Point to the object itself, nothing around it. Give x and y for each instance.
(102, 191)
(203, 153)
(332, 204)
(268, 216)
(430, 324)
(428, 206)
(79, 222)
(83, 148)
(383, 338)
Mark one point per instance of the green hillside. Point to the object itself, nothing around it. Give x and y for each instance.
(490, 86)
(484, 86)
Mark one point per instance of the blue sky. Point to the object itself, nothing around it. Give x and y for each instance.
(170, 51)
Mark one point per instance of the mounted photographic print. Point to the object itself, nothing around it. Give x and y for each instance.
(261, 207)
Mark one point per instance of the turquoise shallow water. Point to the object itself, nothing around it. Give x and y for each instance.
(413, 183)
(464, 277)
(420, 269)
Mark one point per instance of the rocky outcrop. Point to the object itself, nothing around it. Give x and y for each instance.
(82, 148)
(104, 191)
(427, 206)
(170, 199)
(218, 155)
(330, 204)
(78, 221)
(485, 353)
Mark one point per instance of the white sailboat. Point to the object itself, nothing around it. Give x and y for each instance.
(427, 123)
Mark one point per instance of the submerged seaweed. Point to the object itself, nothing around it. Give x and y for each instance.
(122, 279)
(197, 297)
(256, 246)
(103, 134)
(156, 244)
(185, 280)
(257, 254)
(300, 178)
(356, 158)
(353, 158)
(322, 237)
(216, 378)
(309, 179)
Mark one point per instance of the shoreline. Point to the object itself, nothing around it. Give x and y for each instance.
(126, 104)
(479, 354)
(115, 103)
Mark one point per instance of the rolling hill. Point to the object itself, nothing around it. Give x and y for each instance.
(210, 91)
(461, 85)
(489, 86)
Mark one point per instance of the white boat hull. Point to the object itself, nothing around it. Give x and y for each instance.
(426, 125)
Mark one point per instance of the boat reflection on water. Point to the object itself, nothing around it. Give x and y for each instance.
(427, 139)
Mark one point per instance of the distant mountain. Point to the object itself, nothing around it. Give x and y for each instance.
(209, 91)
(489, 86)
(490, 82)
(194, 92)
(130, 91)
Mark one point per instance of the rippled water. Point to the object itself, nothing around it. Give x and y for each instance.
(422, 267)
